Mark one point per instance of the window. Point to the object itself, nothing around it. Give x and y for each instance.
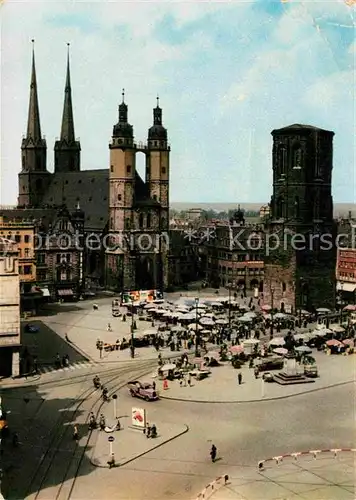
(66, 182)
(127, 223)
(284, 287)
(140, 221)
(17, 238)
(41, 275)
(111, 168)
(68, 257)
(297, 157)
(280, 207)
(163, 170)
(27, 269)
(148, 221)
(282, 160)
(119, 197)
(20, 270)
(90, 198)
(41, 258)
(155, 197)
(112, 223)
(80, 181)
(128, 169)
(27, 252)
(27, 238)
(58, 258)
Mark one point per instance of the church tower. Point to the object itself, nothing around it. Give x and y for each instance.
(122, 177)
(157, 180)
(34, 177)
(67, 149)
(300, 263)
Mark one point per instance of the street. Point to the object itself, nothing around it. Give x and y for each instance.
(49, 464)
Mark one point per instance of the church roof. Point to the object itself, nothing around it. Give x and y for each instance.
(89, 188)
(142, 196)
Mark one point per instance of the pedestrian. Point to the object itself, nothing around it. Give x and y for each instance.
(75, 433)
(256, 371)
(109, 328)
(239, 378)
(213, 453)
(57, 361)
(154, 385)
(111, 462)
(189, 380)
(102, 423)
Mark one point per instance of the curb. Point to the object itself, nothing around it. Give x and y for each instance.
(140, 454)
(258, 400)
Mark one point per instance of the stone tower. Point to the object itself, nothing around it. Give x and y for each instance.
(136, 254)
(34, 177)
(67, 149)
(301, 256)
(157, 179)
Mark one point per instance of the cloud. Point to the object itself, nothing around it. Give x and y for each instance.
(225, 72)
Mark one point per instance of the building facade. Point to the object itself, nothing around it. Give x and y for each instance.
(9, 309)
(300, 234)
(23, 233)
(137, 254)
(235, 256)
(346, 261)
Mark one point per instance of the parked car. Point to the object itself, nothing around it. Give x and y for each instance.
(268, 377)
(30, 328)
(270, 364)
(143, 390)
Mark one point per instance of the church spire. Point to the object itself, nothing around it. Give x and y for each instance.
(33, 122)
(67, 130)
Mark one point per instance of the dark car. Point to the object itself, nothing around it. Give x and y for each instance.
(270, 364)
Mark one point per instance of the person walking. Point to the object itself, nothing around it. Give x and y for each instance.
(75, 433)
(239, 378)
(213, 452)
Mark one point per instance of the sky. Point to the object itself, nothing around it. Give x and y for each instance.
(227, 74)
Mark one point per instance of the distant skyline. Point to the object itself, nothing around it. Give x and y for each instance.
(227, 74)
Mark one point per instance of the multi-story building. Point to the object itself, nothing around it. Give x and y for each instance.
(23, 233)
(346, 261)
(9, 308)
(300, 241)
(235, 255)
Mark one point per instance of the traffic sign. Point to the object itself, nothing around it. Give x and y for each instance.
(111, 439)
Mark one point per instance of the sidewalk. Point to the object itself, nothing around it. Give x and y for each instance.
(130, 443)
(222, 385)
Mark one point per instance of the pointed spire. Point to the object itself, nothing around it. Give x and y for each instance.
(33, 123)
(123, 109)
(67, 131)
(157, 114)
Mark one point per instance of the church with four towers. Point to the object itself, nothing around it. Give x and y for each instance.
(128, 215)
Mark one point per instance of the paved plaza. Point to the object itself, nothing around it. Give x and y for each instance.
(254, 423)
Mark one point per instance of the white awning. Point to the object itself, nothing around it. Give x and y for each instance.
(345, 287)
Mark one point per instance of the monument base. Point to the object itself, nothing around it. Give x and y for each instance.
(283, 378)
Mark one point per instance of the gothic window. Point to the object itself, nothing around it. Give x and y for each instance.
(282, 160)
(38, 162)
(284, 287)
(155, 197)
(119, 197)
(111, 168)
(163, 170)
(148, 221)
(128, 169)
(297, 157)
(140, 221)
(280, 207)
(296, 207)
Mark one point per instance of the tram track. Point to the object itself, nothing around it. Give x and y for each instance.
(75, 457)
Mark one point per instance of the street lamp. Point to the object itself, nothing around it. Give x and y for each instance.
(196, 300)
(132, 347)
(272, 306)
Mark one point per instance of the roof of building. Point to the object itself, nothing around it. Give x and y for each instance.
(89, 188)
(299, 126)
(44, 216)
